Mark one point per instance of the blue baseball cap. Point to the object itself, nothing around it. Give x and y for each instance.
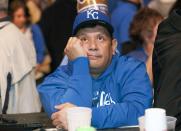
(92, 17)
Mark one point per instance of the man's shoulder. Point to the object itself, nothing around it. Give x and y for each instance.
(11, 29)
(124, 59)
(127, 67)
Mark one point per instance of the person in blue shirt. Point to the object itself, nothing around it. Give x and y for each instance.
(111, 5)
(121, 17)
(116, 88)
(143, 30)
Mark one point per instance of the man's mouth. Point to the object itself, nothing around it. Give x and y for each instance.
(92, 57)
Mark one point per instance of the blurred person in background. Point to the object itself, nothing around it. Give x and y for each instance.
(111, 5)
(167, 66)
(18, 92)
(162, 6)
(143, 31)
(36, 7)
(56, 25)
(34, 11)
(43, 4)
(121, 17)
(21, 18)
(146, 2)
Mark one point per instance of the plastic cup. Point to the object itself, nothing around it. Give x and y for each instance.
(171, 122)
(78, 117)
(155, 119)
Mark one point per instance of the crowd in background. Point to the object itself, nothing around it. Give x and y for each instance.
(47, 26)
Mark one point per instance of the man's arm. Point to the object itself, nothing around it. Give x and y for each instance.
(60, 87)
(75, 88)
(135, 97)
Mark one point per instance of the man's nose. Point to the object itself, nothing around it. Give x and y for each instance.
(93, 45)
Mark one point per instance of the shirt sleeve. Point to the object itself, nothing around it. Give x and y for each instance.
(135, 96)
(60, 87)
(39, 43)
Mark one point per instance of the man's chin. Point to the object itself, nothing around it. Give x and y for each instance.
(93, 66)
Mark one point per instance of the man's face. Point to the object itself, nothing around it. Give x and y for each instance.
(19, 18)
(99, 47)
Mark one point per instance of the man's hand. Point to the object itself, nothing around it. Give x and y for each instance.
(60, 118)
(74, 48)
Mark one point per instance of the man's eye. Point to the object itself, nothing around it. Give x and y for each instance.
(100, 38)
(83, 39)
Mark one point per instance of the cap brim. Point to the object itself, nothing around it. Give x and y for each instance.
(94, 23)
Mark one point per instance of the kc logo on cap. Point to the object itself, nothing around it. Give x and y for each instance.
(92, 14)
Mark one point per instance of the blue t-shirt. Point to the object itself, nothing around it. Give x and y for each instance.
(121, 18)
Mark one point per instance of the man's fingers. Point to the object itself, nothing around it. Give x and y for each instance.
(62, 106)
(68, 44)
(59, 107)
(55, 116)
(69, 41)
(56, 122)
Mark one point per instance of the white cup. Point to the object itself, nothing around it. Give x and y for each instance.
(78, 117)
(171, 122)
(155, 119)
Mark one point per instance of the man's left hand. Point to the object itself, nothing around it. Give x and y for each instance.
(59, 118)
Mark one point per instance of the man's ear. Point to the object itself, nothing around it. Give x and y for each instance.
(114, 46)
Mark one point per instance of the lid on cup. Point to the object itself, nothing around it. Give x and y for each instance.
(86, 128)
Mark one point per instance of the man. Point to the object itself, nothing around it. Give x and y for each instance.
(116, 88)
(167, 66)
(17, 62)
